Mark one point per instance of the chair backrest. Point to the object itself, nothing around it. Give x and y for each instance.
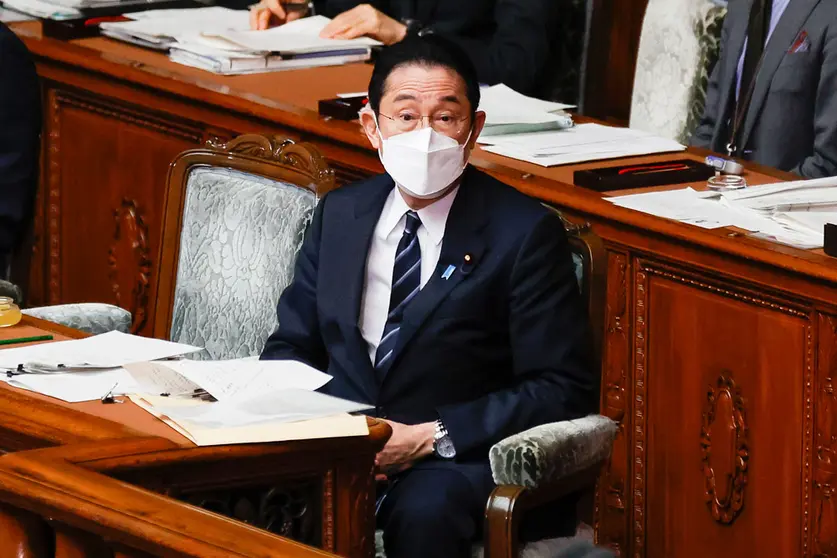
(569, 44)
(678, 47)
(590, 260)
(235, 216)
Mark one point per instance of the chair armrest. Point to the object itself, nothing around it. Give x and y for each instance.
(546, 454)
(91, 317)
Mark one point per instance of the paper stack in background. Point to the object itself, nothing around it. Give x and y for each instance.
(509, 112)
(219, 40)
(160, 29)
(584, 142)
(792, 213)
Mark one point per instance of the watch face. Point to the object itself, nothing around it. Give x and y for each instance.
(444, 448)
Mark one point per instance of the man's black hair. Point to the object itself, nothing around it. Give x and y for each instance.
(431, 51)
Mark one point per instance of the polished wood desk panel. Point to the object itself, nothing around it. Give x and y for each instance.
(718, 353)
(318, 491)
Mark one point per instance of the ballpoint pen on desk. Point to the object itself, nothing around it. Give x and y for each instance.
(199, 393)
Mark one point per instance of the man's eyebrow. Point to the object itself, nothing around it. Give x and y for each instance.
(404, 97)
(451, 99)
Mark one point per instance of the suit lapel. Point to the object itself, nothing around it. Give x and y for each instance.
(462, 238)
(789, 26)
(351, 270)
(735, 44)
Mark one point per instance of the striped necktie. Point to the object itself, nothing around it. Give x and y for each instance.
(406, 283)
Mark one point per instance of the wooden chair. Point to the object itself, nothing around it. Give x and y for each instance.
(235, 216)
(678, 47)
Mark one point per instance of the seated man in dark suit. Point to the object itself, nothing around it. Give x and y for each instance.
(20, 128)
(772, 97)
(440, 296)
(509, 41)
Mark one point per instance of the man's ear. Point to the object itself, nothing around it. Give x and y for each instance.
(479, 123)
(367, 120)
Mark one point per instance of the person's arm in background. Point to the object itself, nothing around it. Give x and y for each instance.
(823, 161)
(20, 129)
(520, 50)
(702, 136)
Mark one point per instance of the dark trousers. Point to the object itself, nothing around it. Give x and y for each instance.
(431, 512)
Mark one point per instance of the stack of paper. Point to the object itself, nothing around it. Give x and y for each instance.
(159, 29)
(257, 401)
(11, 16)
(84, 369)
(509, 112)
(294, 45)
(43, 9)
(585, 142)
(792, 213)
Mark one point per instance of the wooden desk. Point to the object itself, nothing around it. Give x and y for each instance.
(719, 349)
(116, 472)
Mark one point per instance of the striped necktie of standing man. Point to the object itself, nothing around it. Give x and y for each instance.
(406, 283)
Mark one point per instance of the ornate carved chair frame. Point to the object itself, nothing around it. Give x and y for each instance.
(274, 157)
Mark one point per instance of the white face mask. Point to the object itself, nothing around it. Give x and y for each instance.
(422, 162)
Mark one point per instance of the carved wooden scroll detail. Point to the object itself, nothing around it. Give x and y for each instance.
(129, 260)
(824, 520)
(303, 158)
(725, 451)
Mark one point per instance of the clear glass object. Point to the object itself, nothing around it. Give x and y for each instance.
(721, 182)
(9, 312)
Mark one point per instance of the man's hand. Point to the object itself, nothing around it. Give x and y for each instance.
(365, 20)
(270, 13)
(407, 444)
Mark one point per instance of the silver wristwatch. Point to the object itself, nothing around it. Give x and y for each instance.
(442, 444)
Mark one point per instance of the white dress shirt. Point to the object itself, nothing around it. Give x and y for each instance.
(381, 258)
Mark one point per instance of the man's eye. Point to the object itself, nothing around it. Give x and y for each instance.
(407, 117)
(446, 118)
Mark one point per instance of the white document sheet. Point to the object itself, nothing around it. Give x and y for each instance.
(300, 36)
(113, 349)
(583, 153)
(74, 387)
(286, 405)
(232, 379)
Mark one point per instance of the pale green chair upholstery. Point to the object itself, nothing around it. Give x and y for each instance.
(235, 219)
(678, 47)
(89, 317)
(550, 461)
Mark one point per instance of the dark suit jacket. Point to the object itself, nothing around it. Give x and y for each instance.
(20, 128)
(499, 347)
(792, 120)
(509, 41)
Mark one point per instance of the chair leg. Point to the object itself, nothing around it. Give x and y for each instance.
(502, 519)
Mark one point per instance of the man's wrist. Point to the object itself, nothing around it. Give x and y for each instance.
(427, 432)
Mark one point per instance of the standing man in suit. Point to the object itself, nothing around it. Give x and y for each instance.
(20, 128)
(440, 296)
(509, 41)
(772, 96)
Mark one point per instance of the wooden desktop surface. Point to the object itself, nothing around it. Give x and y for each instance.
(718, 352)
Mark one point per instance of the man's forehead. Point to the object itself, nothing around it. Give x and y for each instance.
(423, 81)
